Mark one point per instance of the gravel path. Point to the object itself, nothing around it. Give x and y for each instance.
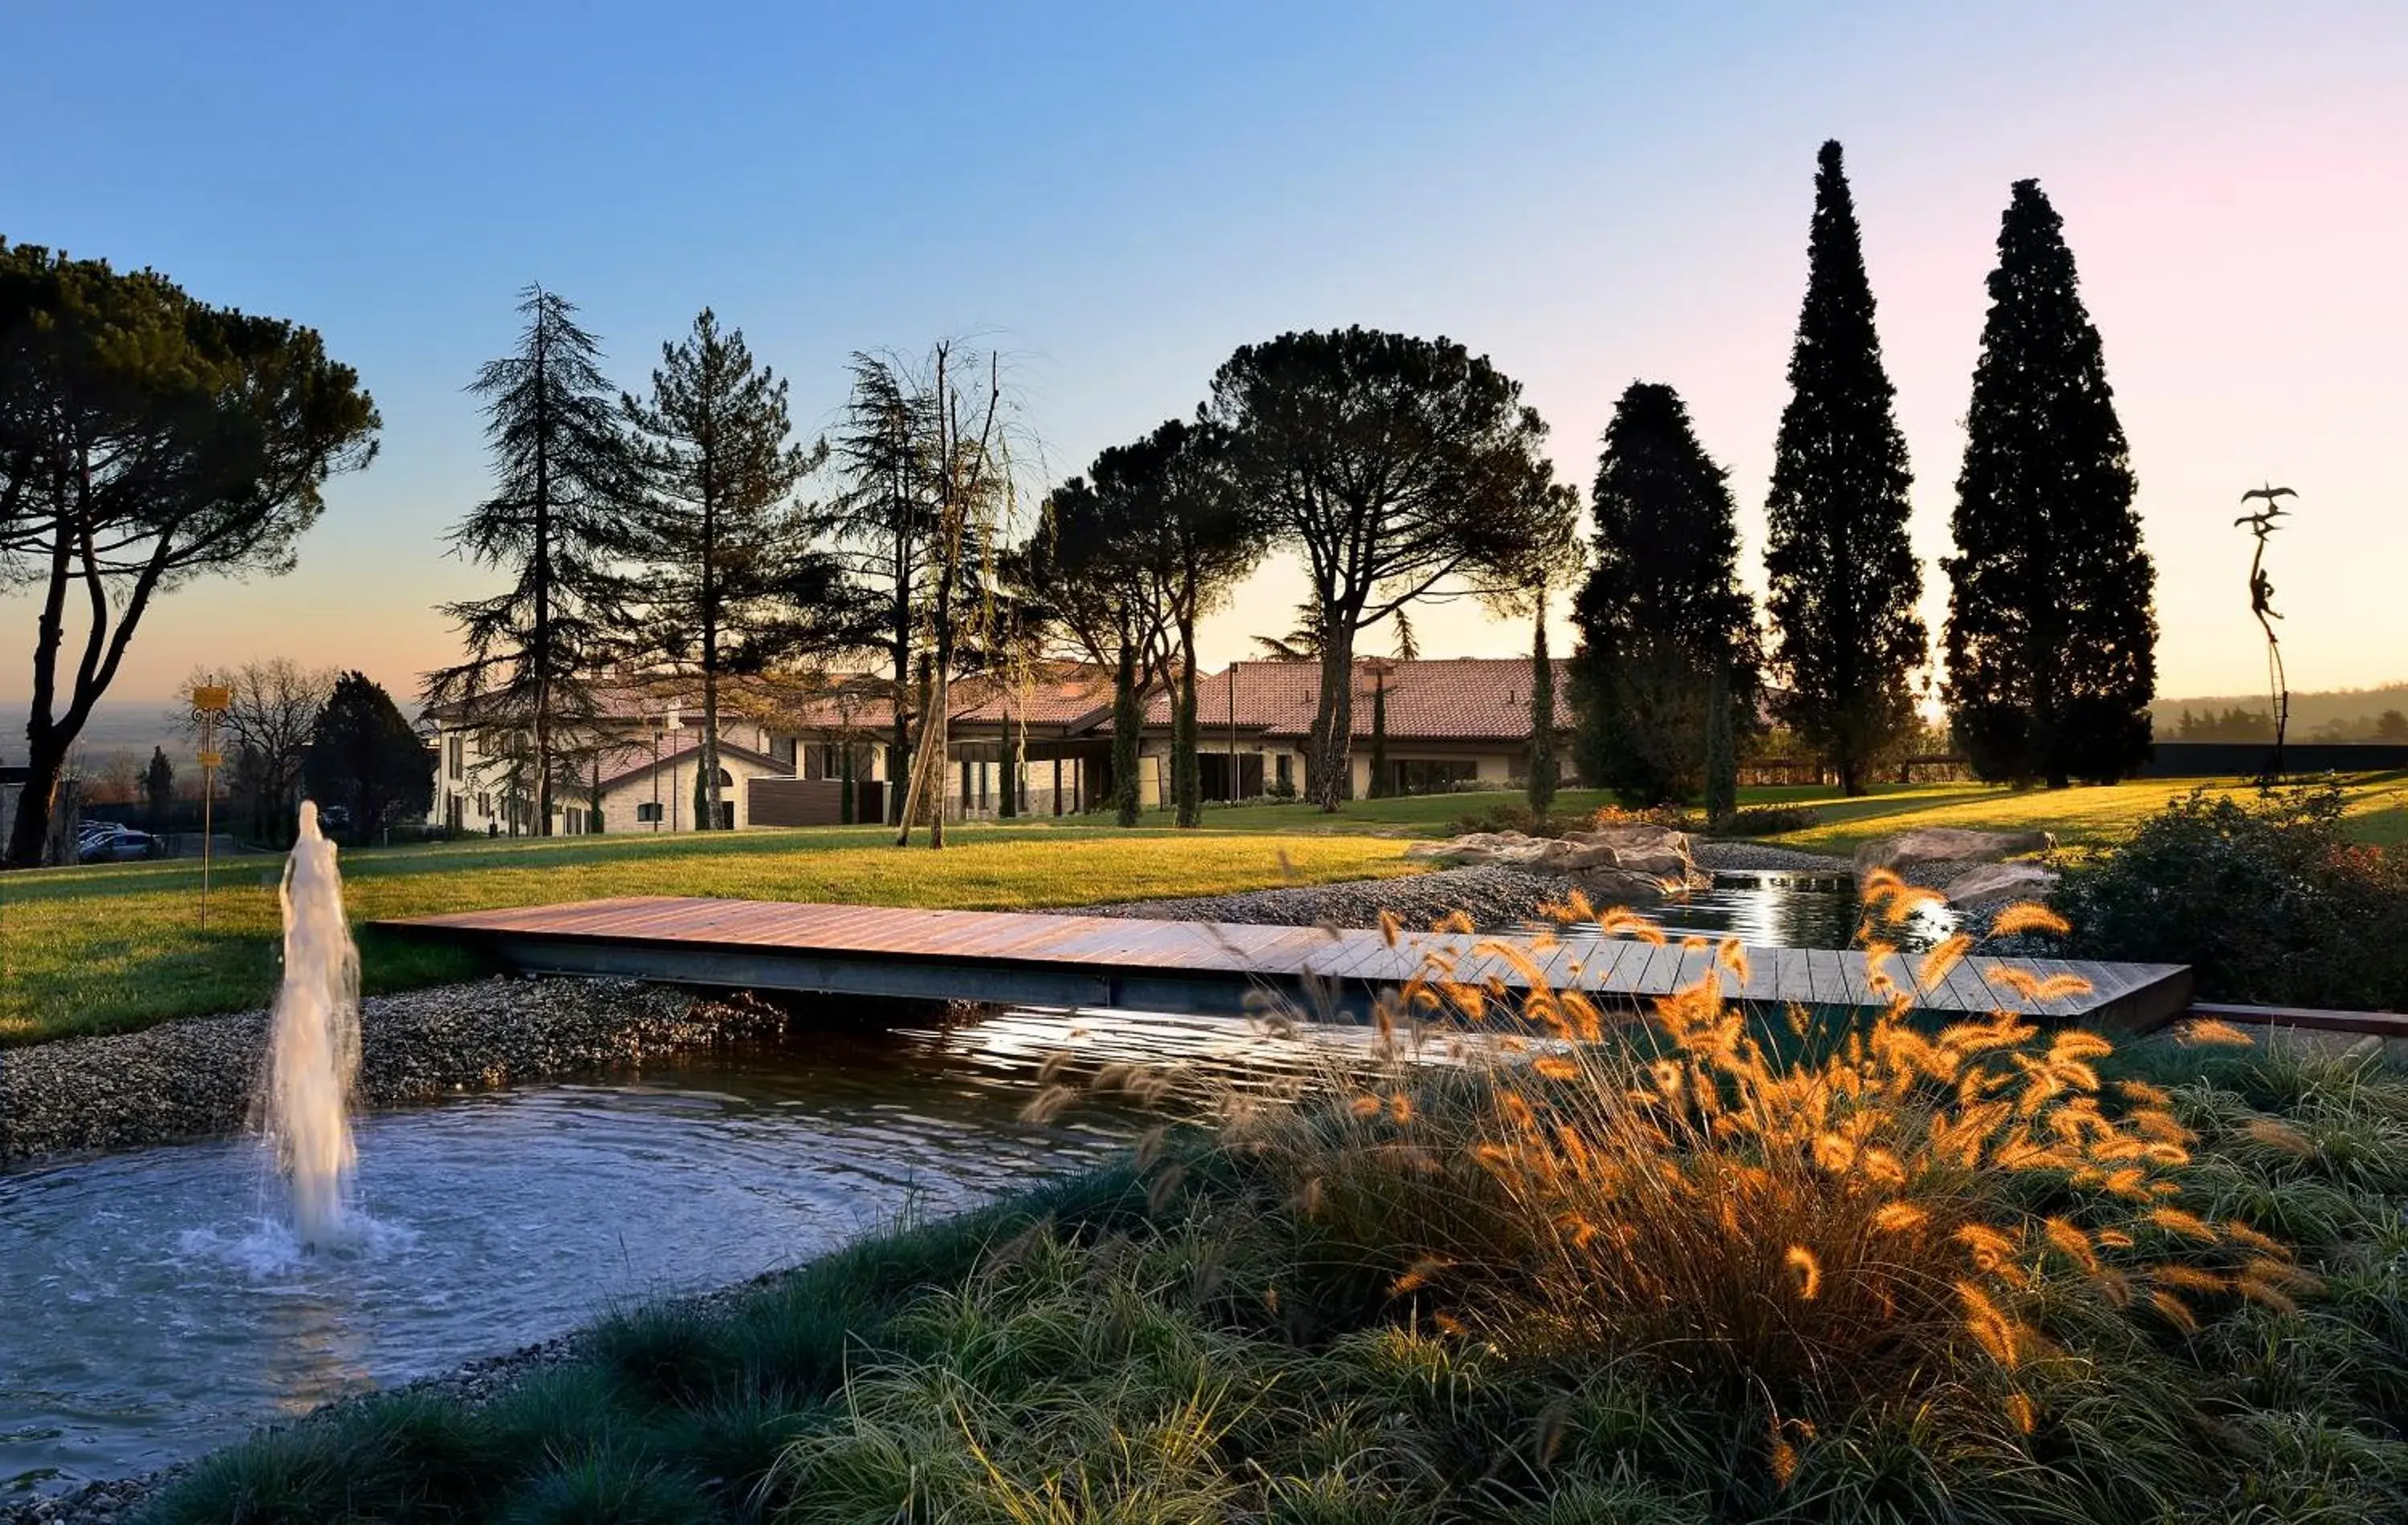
(193, 1077)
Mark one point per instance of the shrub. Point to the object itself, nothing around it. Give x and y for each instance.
(1773, 820)
(2266, 901)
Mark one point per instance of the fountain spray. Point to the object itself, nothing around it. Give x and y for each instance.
(314, 1053)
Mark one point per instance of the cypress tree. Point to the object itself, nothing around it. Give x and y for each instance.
(1843, 577)
(1541, 791)
(2052, 640)
(1128, 717)
(1662, 611)
(1379, 788)
(1722, 757)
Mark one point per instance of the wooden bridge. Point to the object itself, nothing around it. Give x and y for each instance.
(1022, 959)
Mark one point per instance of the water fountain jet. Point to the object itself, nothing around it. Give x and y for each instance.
(314, 1048)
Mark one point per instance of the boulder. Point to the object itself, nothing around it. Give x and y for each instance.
(1908, 851)
(1635, 864)
(2000, 884)
(1622, 886)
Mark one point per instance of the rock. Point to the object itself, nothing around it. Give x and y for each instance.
(1607, 887)
(1908, 851)
(1999, 884)
(1634, 863)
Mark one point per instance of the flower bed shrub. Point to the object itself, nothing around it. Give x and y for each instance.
(2265, 900)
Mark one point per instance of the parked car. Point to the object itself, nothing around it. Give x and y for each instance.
(115, 844)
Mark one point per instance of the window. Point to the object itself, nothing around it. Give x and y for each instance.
(649, 811)
(1428, 776)
(484, 804)
(456, 755)
(1287, 772)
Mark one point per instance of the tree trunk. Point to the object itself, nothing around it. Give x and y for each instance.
(45, 758)
(1329, 749)
(1186, 765)
(1126, 718)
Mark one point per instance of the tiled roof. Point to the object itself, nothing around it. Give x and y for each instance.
(1071, 695)
(1463, 699)
(687, 744)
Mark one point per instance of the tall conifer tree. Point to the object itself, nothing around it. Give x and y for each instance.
(731, 584)
(2052, 640)
(557, 522)
(1662, 612)
(1843, 577)
(1542, 788)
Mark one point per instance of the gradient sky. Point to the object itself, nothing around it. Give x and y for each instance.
(1118, 196)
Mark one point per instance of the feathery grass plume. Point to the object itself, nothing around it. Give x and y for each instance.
(2026, 916)
(2211, 1032)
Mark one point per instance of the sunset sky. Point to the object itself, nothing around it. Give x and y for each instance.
(1119, 195)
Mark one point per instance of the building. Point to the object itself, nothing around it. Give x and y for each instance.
(1453, 723)
(787, 745)
(639, 753)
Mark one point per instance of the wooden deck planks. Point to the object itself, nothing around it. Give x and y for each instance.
(637, 934)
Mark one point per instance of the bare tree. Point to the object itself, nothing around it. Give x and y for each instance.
(272, 711)
(968, 429)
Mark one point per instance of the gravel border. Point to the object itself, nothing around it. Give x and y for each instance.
(197, 1076)
(1491, 895)
(1742, 855)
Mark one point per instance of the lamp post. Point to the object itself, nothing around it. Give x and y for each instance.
(656, 773)
(674, 722)
(209, 701)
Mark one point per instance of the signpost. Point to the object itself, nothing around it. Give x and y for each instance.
(209, 701)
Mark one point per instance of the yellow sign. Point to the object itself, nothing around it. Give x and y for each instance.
(212, 759)
(213, 699)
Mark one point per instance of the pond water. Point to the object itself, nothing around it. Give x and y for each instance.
(1782, 910)
(156, 1308)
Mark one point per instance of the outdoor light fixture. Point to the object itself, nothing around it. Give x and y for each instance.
(209, 701)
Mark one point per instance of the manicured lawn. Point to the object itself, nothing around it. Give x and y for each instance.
(111, 949)
(2080, 817)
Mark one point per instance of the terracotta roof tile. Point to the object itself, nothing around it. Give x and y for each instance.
(1462, 698)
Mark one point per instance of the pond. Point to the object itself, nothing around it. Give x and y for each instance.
(156, 1308)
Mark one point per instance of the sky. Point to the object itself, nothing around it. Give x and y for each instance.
(1116, 196)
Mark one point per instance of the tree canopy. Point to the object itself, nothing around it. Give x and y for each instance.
(2051, 635)
(1664, 624)
(364, 756)
(557, 524)
(147, 439)
(1396, 469)
(1843, 576)
(728, 580)
(1134, 554)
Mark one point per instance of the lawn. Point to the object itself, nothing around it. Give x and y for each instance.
(2088, 817)
(2080, 817)
(111, 949)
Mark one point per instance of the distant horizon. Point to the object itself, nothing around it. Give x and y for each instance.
(1587, 197)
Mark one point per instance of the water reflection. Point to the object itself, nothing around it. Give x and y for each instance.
(158, 1305)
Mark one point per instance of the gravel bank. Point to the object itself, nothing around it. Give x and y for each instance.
(1711, 856)
(194, 1077)
(1492, 896)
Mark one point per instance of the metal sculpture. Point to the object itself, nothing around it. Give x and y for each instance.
(2261, 524)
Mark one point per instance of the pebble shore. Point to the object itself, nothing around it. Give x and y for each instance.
(196, 1077)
